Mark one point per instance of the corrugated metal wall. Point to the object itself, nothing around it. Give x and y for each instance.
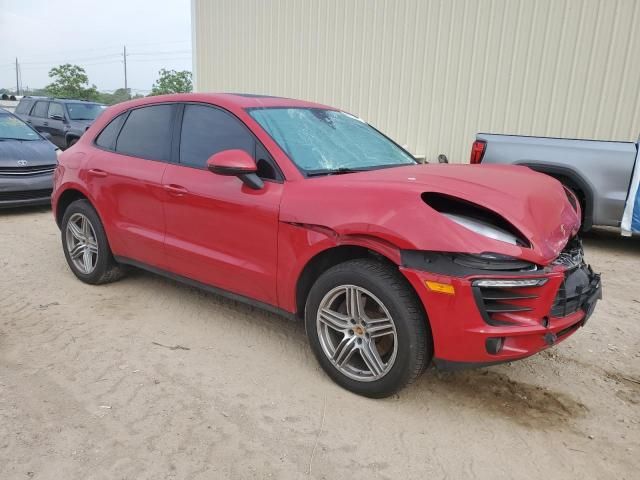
(432, 73)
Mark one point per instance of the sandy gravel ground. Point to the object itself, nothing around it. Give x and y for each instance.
(89, 389)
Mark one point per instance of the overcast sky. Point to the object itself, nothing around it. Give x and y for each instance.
(91, 33)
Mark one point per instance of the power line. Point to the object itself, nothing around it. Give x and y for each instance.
(67, 59)
(74, 52)
(163, 53)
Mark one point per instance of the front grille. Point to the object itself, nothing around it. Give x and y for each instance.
(577, 286)
(496, 303)
(25, 195)
(25, 171)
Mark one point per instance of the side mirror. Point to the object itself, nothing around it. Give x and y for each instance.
(56, 117)
(236, 163)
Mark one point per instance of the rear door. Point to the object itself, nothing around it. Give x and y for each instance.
(125, 177)
(55, 123)
(24, 108)
(38, 117)
(219, 231)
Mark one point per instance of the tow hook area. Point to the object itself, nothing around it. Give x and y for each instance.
(550, 338)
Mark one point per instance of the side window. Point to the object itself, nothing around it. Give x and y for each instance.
(40, 109)
(147, 133)
(107, 137)
(24, 106)
(209, 130)
(55, 109)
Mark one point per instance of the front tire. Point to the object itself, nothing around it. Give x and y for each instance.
(85, 245)
(367, 328)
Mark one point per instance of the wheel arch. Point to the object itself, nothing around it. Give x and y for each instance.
(71, 136)
(339, 253)
(326, 259)
(65, 199)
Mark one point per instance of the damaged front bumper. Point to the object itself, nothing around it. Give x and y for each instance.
(499, 311)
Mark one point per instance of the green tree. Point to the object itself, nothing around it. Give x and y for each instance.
(171, 81)
(71, 81)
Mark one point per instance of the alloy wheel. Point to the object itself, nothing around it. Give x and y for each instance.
(81, 243)
(357, 333)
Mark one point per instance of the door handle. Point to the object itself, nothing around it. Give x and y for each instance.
(46, 124)
(96, 172)
(175, 190)
(29, 121)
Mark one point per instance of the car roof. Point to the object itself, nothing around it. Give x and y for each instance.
(58, 99)
(228, 100)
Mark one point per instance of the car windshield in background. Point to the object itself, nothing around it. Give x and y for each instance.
(321, 141)
(12, 128)
(84, 111)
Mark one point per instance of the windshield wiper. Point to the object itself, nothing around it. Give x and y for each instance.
(19, 139)
(334, 171)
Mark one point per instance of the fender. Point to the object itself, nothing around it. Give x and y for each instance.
(314, 240)
(60, 191)
(575, 177)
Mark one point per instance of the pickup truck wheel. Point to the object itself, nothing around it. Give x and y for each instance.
(367, 328)
(72, 142)
(85, 245)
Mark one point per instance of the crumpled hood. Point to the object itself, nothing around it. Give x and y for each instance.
(387, 204)
(36, 152)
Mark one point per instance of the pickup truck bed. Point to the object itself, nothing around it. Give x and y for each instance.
(599, 172)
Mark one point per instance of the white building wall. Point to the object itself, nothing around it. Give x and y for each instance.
(432, 73)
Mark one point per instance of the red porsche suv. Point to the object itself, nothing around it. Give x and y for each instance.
(309, 211)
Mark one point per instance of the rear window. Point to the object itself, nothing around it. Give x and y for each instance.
(108, 136)
(24, 106)
(147, 133)
(40, 109)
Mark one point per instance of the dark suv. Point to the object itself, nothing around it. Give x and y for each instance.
(64, 120)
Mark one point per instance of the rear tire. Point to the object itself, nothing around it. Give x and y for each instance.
(86, 247)
(367, 328)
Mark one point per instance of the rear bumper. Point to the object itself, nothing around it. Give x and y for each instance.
(27, 190)
(465, 335)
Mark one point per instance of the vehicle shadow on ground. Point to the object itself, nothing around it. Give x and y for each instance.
(611, 239)
(24, 211)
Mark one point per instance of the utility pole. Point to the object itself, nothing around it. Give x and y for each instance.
(17, 79)
(124, 55)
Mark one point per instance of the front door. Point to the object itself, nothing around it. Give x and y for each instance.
(218, 230)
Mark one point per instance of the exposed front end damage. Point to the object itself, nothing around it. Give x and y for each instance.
(496, 310)
(491, 252)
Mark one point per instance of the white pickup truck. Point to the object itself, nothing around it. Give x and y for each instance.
(603, 175)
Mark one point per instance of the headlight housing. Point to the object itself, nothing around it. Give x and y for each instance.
(476, 218)
(483, 228)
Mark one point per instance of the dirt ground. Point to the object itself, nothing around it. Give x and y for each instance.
(90, 390)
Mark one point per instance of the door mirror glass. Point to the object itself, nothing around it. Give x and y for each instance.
(236, 163)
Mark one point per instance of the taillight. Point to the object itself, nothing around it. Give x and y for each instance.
(477, 151)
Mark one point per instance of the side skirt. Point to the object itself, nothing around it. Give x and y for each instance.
(208, 288)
